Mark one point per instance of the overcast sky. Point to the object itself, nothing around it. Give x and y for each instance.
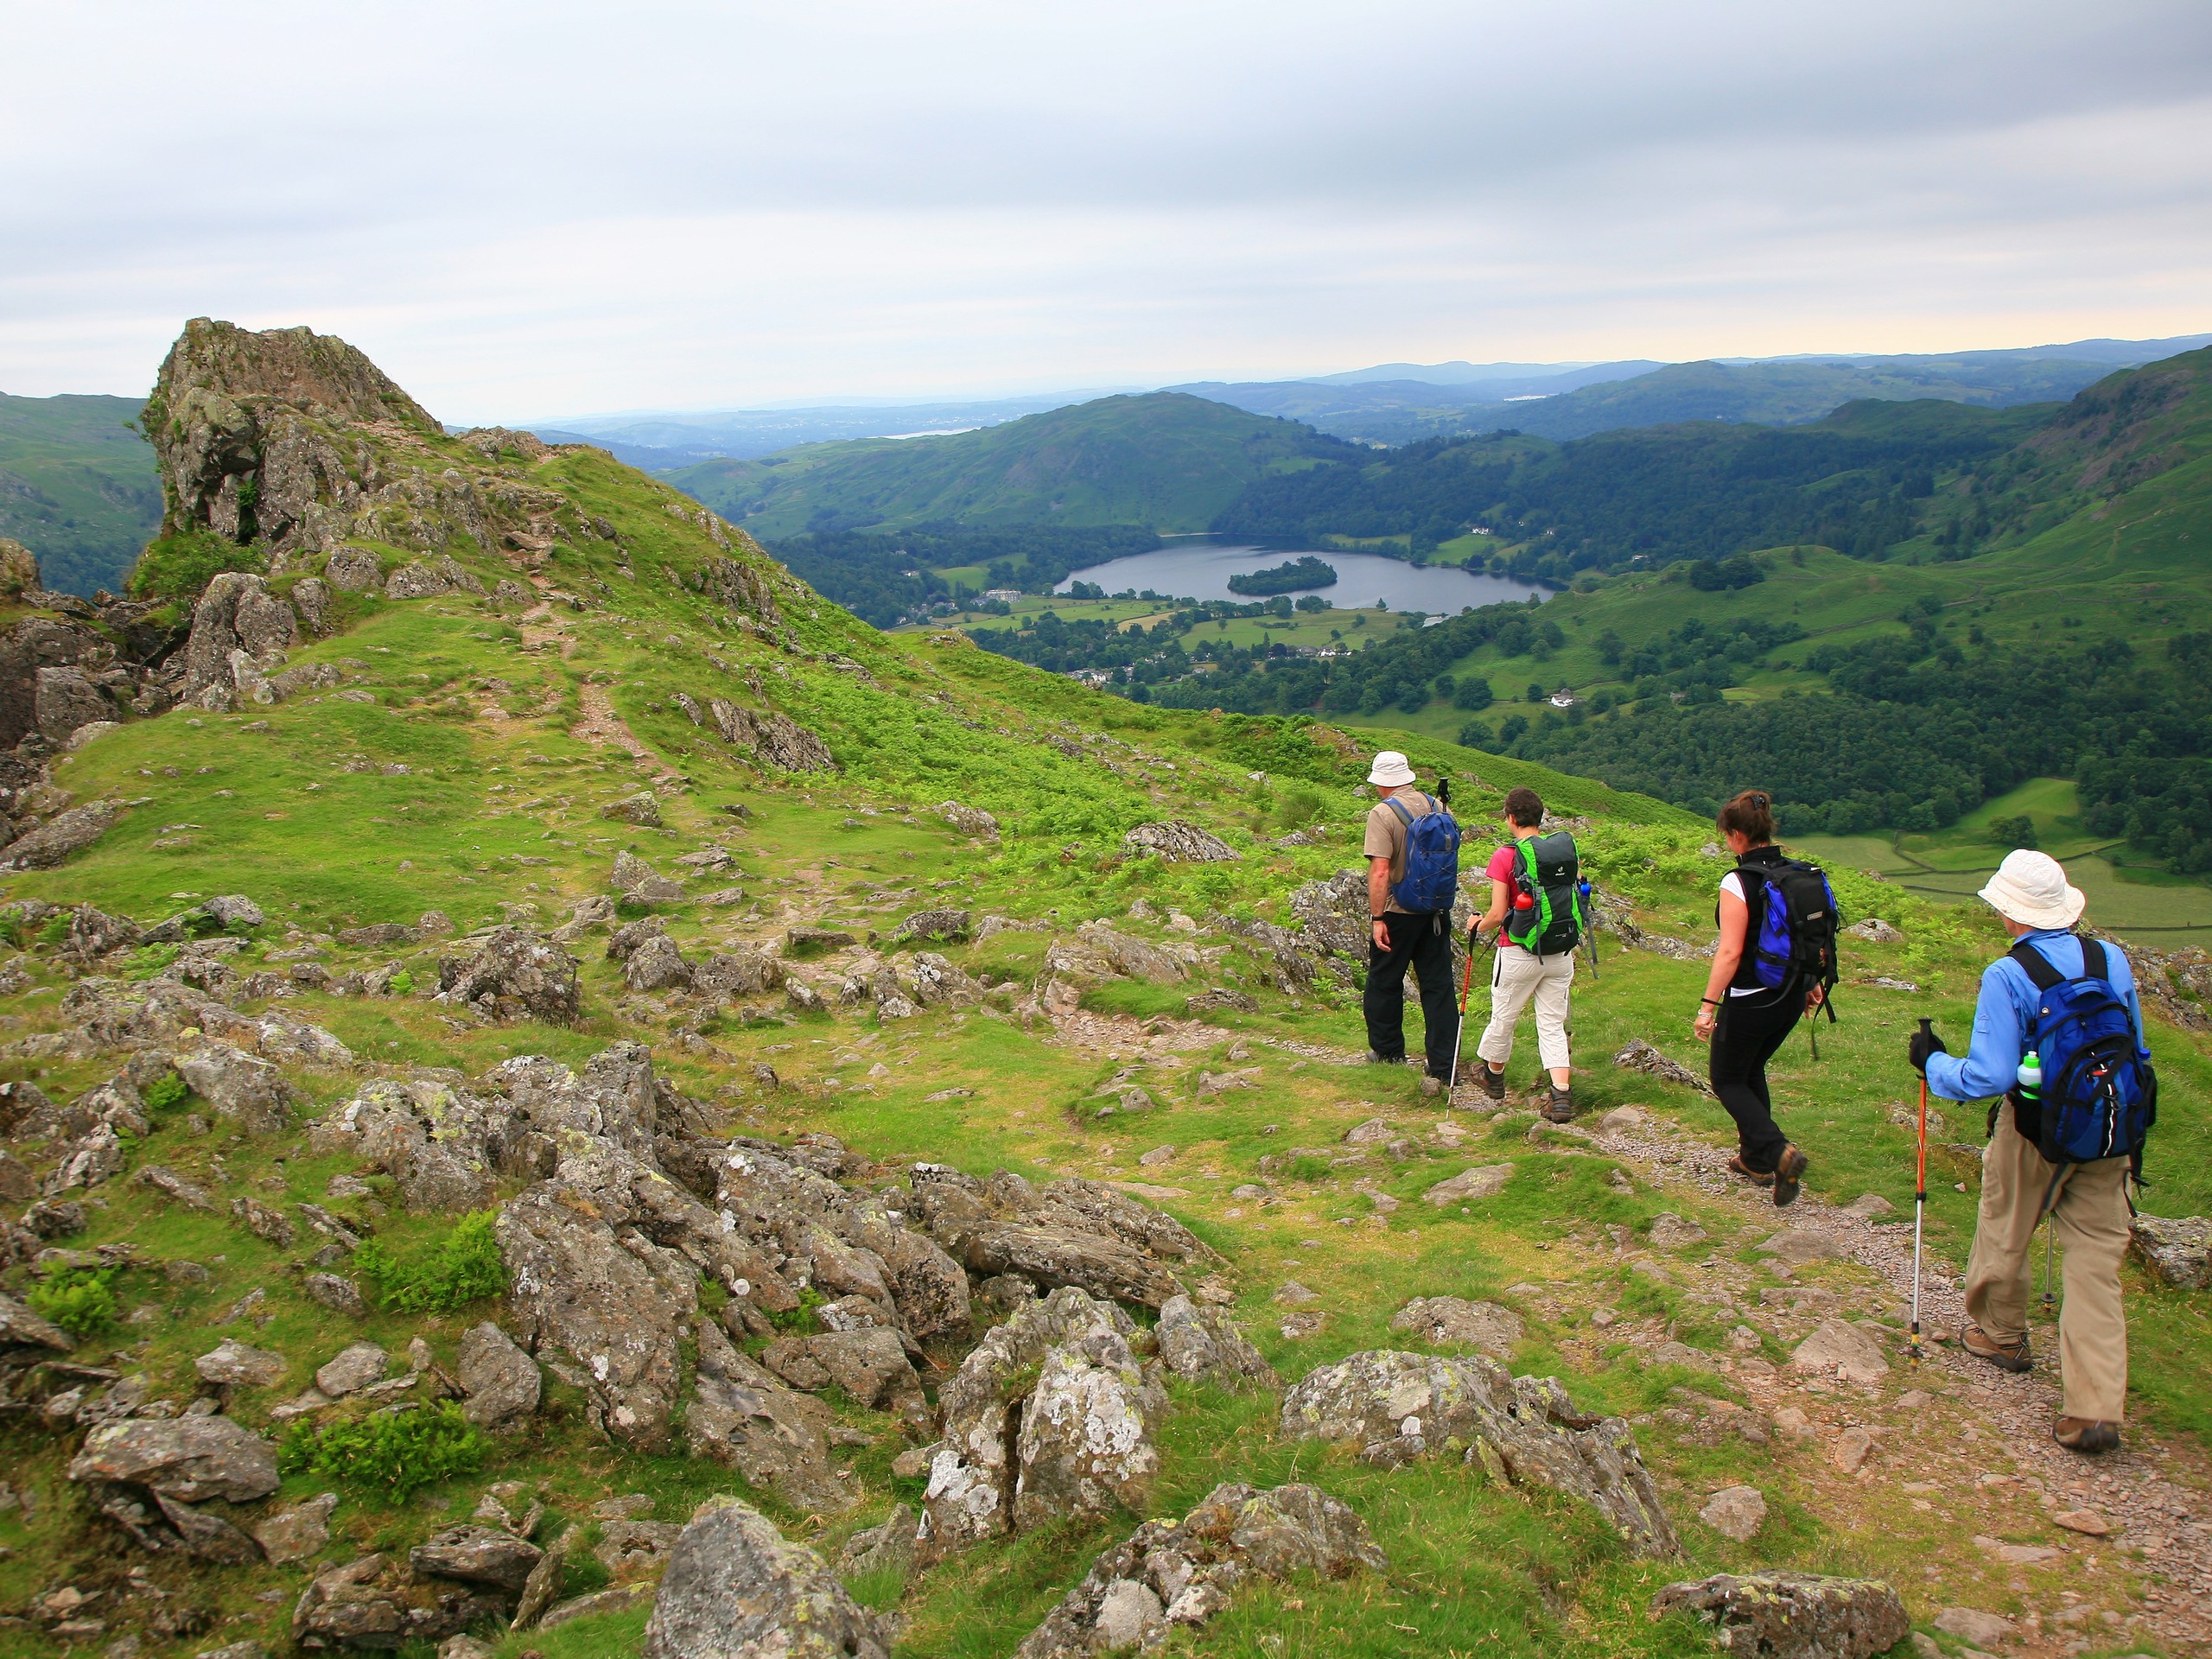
(527, 211)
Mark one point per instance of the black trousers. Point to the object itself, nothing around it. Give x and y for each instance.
(1423, 943)
(1752, 1029)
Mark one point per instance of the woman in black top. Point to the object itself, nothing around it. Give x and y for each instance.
(1746, 1022)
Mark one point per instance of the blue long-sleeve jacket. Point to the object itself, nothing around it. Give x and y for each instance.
(2006, 1015)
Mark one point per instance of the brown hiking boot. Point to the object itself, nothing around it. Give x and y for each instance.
(1559, 1104)
(1493, 1082)
(2086, 1436)
(1787, 1173)
(2004, 1356)
(1756, 1177)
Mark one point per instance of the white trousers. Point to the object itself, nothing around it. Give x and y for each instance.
(1517, 978)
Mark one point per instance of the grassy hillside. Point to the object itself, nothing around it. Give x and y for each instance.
(1163, 461)
(471, 753)
(77, 486)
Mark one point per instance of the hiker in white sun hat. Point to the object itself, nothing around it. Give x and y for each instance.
(1413, 878)
(2058, 1034)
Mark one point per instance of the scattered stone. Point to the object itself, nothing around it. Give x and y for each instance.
(2178, 1251)
(1484, 1181)
(1294, 1294)
(2016, 1554)
(1671, 1232)
(888, 1546)
(734, 1589)
(26, 1338)
(60, 836)
(515, 975)
(339, 1295)
(2086, 1522)
(1395, 1407)
(351, 1370)
(777, 740)
(969, 820)
(232, 1364)
(1968, 1624)
(502, 1383)
(1455, 1322)
(1873, 929)
(1181, 1573)
(296, 1534)
(1796, 1246)
(476, 1555)
(1640, 1056)
(937, 925)
(238, 1085)
(1179, 842)
(642, 808)
(744, 1417)
(1851, 1449)
(1735, 1512)
(174, 1186)
(1374, 1131)
(1868, 1206)
(1201, 1344)
(188, 1458)
(1837, 1348)
(1792, 1615)
(1623, 1119)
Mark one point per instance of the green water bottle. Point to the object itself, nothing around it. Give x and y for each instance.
(2029, 1077)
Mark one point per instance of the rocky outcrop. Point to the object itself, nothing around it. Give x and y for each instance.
(1395, 1407)
(869, 1365)
(501, 1382)
(734, 1589)
(1178, 842)
(61, 837)
(428, 578)
(1201, 1344)
(1455, 1322)
(968, 820)
(1170, 1574)
(374, 1603)
(235, 612)
(772, 739)
(515, 975)
(27, 1338)
(1051, 1415)
(1791, 1615)
(475, 1554)
(746, 1420)
(2178, 1251)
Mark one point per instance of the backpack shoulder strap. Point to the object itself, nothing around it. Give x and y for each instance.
(2095, 964)
(1399, 807)
(2037, 966)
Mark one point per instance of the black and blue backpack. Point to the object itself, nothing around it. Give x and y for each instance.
(1796, 945)
(2099, 1096)
(1431, 879)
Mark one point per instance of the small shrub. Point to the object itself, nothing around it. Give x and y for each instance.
(401, 982)
(148, 960)
(394, 1454)
(164, 1094)
(461, 1268)
(80, 1303)
(56, 930)
(178, 566)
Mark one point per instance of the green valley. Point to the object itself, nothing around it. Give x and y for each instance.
(77, 484)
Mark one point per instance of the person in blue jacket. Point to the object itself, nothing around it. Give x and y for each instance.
(2088, 1212)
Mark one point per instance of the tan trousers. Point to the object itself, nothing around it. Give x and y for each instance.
(2090, 1219)
(1516, 979)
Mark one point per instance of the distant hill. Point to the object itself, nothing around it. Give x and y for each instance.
(660, 442)
(1164, 461)
(77, 486)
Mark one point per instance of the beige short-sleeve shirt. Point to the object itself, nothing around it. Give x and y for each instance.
(1386, 837)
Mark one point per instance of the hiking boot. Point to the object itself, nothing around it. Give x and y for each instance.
(1787, 1173)
(1756, 1177)
(2004, 1356)
(1559, 1105)
(1493, 1082)
(1374, 1058)
(2086, 1436)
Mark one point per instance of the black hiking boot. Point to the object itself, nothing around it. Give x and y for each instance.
(2088, 1438)
(1789, 1173)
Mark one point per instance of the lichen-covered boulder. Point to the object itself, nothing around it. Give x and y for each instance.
(745, 1419)
(1455, 1322)
(189, 1459)
(1203, 1345)
(1792, 1615)
(515, 975)
(475, 1554)
(2178, 1251)
(1180, 1573)
(1179, 842)
(502, 1383)
(734, 1589)
(26, 1338)
(1394, 1407)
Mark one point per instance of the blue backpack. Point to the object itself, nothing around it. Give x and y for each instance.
(2100, 1095)
(1796, 945)
(1431, 879)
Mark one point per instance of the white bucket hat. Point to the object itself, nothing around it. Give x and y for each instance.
(2031, 888)
(1391, 769)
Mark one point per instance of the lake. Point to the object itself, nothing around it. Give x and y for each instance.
(1202, 570)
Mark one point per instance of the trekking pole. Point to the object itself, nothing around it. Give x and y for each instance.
(1590, 916)
(1459, 1038)
(1920, 1200)
(2050, 1228)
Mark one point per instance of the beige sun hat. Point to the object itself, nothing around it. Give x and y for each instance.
(1391, 769)
(2031, 888)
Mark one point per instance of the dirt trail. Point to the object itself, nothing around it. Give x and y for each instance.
(2135, 1490)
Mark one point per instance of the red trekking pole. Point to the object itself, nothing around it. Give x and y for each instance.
(1919, 1208)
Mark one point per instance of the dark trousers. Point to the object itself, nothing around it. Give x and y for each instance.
(1752, 1030)
(1422, 942)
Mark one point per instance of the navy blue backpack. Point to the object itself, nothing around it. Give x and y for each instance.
(1431, 879)
(2100, 1095)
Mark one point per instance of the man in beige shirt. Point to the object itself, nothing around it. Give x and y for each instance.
(1399, 939)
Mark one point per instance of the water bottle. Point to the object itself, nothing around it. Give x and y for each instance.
(2029, 1077)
